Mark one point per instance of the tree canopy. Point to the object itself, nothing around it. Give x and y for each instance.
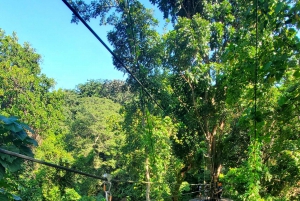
(226, 76)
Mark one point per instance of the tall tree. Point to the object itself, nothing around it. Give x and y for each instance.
(147, 155)
(189, 80)
(270, 44)
(24, 91)
(134, 45)
(27, 93)
(205, 70)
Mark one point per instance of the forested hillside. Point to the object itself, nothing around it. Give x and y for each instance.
(213, 99)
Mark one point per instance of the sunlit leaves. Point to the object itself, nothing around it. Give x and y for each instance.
(276, 57)
(148, 138)
(28, 94)
(25, 91)
(206, 73)
(14, 138)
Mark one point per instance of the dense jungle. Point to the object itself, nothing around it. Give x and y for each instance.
(212, 97)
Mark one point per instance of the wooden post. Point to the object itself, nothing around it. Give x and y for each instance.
(148, 180)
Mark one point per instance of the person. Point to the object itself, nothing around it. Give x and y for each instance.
(219, 190)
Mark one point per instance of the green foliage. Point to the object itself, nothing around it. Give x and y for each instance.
(115, 90)
(147, 155)
(24, 91)
(94, 138)
(277, 57)
(28, 94)
(198, 83)
(13, 137)
(203, 74)
(71, 195)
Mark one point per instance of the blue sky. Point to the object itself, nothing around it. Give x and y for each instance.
(71, 54)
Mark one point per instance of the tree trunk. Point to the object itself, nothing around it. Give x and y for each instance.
(214, 157)
(211, 164)
(176, 189)
(179, 179)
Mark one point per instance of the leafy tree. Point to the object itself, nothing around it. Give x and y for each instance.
(203, 72)
(25, 92)
(277, 55)
(147, 156)
(115, 90)
(28, 94)
(175, 66)
(14, 137)
(94, 138)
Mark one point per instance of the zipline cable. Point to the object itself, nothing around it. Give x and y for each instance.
(48, 164)
(133, 76)
(142, 99)
(111, 52)
(4, 151)
(115, 56)
(79, 172)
